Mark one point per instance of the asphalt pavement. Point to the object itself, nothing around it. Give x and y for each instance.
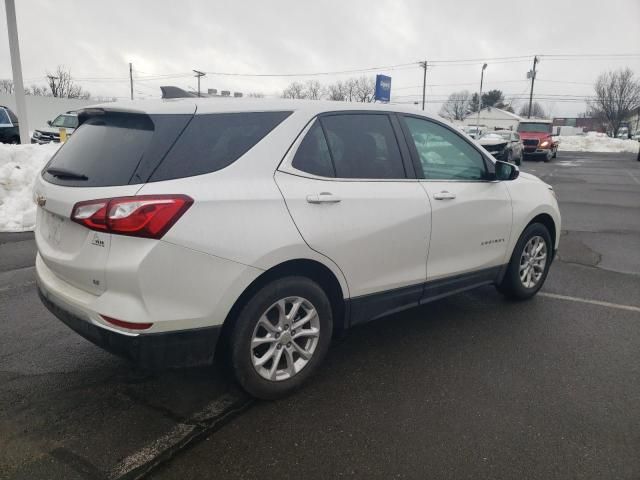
(472, 386)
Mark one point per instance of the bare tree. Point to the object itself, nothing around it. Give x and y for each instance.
(294, 90)
(536, 110)
(6, 86)
(38, 90)
(62, 85)
(617, 97)
(255, 95)
(457, 106)
(364, 89)
(336, 91)
(313, 90)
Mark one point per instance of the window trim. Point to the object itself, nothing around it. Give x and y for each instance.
(415, 156)
(6, 112)
(286, 165)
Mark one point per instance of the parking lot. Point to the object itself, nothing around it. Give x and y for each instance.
(473, 386)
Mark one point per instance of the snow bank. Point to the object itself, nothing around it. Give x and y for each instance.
(19, 165)
(597, 142)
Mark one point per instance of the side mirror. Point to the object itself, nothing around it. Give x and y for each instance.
(506, 171)
(49, 122)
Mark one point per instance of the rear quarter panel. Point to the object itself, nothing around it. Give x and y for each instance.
(239, 213)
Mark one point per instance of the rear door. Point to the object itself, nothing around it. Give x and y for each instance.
(471, 212)
(348, 187)
(110, 155)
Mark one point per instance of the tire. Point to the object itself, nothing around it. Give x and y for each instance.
(14, 141)
(509, 157)
(266, 305)
(519, 159)
(555, 153)
(512, 285)
(548, 157)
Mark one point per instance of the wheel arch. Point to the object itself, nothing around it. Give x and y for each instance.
(304, 267)
(546, 220)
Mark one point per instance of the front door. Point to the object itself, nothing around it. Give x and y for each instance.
(471, 213)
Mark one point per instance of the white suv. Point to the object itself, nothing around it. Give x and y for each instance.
(168, 228)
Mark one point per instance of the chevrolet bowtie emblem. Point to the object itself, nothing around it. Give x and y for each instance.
(41, 200)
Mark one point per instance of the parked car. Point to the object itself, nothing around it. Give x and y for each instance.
(504, 145)
(474, 131)
(624, 133)
(68, 121)
(9, 126)
(538, 139)
(166, 230)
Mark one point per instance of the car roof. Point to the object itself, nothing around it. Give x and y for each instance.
(237, 105)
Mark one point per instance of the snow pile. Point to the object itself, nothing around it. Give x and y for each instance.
(597, 142)
(19, 165)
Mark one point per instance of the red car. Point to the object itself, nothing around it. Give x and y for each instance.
(537, 139)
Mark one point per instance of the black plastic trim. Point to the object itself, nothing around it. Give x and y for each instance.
(365, 308)
(444, 287)
(370, 307)
(184, 348)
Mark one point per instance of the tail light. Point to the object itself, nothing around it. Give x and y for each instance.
(147, 216)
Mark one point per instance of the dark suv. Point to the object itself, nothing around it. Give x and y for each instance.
(8, 126)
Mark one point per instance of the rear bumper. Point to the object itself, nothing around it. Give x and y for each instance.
(183, 348)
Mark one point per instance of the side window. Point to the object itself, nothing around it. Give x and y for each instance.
(363, 146)
(214, 141)
(443, 154)
(4, 117)
(313, 153)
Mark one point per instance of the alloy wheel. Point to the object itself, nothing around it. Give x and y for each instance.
(285, 338)
(533, 261)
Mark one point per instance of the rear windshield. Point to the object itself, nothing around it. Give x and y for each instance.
(125, 148)
(535, 127)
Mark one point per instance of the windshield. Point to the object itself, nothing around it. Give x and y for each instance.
(535, 127)
(65, 121)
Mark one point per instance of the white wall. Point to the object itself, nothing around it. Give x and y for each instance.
(41, 109)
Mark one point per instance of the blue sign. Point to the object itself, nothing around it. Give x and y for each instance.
(383, 88)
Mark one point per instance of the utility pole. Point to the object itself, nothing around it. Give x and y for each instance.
(131, 78)
(16, 67)
(424, 81)
(480, 101)
(199, 74)
(55, 89)
(533, 79)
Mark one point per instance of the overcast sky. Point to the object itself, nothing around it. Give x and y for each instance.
(96, 40)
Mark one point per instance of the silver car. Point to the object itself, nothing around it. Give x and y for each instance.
(51, 133)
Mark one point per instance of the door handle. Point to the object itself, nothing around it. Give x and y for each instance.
(444, 195)
(323, 197)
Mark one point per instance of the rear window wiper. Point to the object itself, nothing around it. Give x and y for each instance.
(65, 173)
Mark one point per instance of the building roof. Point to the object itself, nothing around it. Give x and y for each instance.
(490, 109)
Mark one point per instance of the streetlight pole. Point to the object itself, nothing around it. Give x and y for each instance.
(480, 100)
(16, 67)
